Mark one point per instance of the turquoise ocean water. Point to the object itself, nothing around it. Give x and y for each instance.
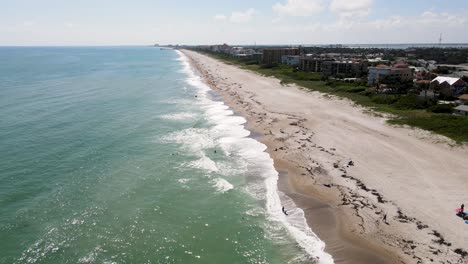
(123, 155)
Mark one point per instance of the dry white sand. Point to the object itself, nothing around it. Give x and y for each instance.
(417, 179)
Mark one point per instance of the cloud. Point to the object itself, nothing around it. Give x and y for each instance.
(299, 7)
(351, 8)
(29, 23)
(237, 16)
(422, 28)
(220, 18)
(242, 17)
(70, 25)
(428, 19)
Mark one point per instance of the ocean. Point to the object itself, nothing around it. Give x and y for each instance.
(124, 155)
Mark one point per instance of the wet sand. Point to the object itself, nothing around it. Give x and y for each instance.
(324, 220)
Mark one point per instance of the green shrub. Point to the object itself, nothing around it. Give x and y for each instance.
(385, 99)
(455, 127)
(269, 66)
(367, 92)
(441, 108)
(409, 102)
(350, 89)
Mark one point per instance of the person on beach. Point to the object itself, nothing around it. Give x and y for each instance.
(461, 211)
(284, 211)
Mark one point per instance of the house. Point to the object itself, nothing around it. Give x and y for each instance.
(419, 72)
(225, 48)
(448, 86)
(400, 72)
(463, 99)
(293, 60)
(272, 56)
(461, 110)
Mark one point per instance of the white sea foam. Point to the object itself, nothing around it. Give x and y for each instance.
(183, 181)
(180, 116)
(229, 134)
(204, 163)
(222, 185)
(194, 139)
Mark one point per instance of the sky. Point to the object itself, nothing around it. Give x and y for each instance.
(243, 22)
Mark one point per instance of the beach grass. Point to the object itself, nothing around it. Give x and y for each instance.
(404, 109)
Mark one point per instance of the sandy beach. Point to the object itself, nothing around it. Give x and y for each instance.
(414, 178)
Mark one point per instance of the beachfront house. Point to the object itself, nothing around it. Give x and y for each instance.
(399, 72)
(448, 86)
(461, 110)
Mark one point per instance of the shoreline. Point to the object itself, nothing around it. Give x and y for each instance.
(318, 177)
(348, 253)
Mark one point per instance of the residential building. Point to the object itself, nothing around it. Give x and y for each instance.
(448, 86)
(461, 110)
(225, 48)
(463, 99)
(419, 72)
(312, 64)
(293, 60)
(377, 61)
(400, 72)
(355, 68)
(272, 56)
(240, 51)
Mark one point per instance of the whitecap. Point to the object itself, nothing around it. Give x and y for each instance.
(222, 185)
(204, 163)
(179, 116)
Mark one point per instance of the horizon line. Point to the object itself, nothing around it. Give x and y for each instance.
(276, 44)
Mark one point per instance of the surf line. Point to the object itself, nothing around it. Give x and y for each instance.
(296, 224)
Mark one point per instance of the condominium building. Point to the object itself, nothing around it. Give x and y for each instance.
(400, 72)
(272, 56)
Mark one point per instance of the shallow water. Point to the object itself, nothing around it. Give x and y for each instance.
(122, 155)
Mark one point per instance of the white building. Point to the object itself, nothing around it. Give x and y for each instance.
(240, 51)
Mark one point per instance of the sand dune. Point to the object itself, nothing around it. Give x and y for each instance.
(415, 178)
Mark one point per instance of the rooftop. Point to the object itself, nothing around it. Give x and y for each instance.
(463, 108)
(449, 80)
(423, 81)
(463, 97)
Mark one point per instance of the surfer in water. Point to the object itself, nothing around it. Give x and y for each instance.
(284, 211)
